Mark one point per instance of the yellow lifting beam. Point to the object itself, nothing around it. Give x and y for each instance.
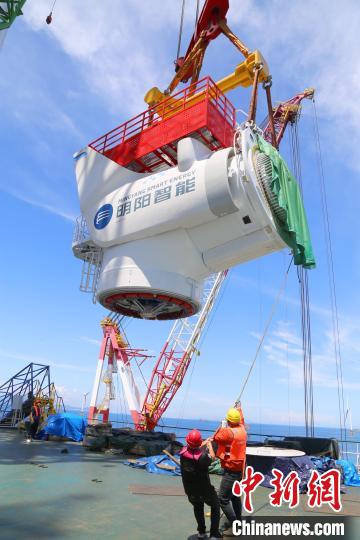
(242, 76)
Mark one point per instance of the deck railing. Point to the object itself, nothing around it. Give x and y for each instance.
(203, 90)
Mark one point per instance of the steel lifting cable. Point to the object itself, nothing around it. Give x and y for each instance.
(305, 302)
(305, 309)
(331, 275)
(287, 365)
(180, 29)
(266, 329)
(307, 352)
(259, 279)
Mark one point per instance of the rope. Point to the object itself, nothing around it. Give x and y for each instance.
(267, 326)
(180, 29)
(331, 277)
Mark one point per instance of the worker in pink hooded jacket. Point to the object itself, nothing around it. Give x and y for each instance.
(195, 459)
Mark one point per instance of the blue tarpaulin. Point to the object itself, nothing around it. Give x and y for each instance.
(323, 463)
(351, 476)
(150, 464)
(303, 465)
(67, 425)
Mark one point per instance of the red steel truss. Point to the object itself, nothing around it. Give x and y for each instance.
(283, 113)
(164, 384)
(176, 356)
(148, 141)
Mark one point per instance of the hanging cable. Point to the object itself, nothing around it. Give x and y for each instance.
(331, 277)
(287, 362)
(304, 300)
(266, 329)
(259, 276)
(307, 352)
(180, 29)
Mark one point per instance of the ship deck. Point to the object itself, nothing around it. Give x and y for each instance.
(85, 495)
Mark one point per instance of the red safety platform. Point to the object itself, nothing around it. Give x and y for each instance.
(148, 142)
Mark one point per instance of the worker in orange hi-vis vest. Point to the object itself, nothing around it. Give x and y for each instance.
(231, 440)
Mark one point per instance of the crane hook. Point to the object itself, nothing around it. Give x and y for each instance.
(49, 17)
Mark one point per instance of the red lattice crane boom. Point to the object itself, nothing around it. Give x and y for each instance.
(284, 113)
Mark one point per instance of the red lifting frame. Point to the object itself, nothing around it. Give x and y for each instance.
(149, 140)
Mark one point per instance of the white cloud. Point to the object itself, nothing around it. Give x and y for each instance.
(45, 361)
(314, 44)
(273, 415)
(290, 359)
(41, 126)
(324, 313)
(72, 397)
(285, 335)
(118, 49)
(123, 49)
(92, 341)
(57, 211)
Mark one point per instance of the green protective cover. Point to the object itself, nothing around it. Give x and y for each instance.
(295, 231)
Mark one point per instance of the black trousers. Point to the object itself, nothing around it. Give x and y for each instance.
(32, 427)
(230, 505)
(211, 499)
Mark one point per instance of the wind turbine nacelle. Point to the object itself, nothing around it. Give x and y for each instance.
(163, 234)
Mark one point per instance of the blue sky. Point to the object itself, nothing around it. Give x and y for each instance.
(65, 84)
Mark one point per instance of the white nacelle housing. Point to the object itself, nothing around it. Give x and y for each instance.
(162, 234)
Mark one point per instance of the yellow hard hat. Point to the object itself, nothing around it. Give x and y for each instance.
(233, 416)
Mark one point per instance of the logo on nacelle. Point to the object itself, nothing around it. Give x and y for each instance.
(103, 216)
